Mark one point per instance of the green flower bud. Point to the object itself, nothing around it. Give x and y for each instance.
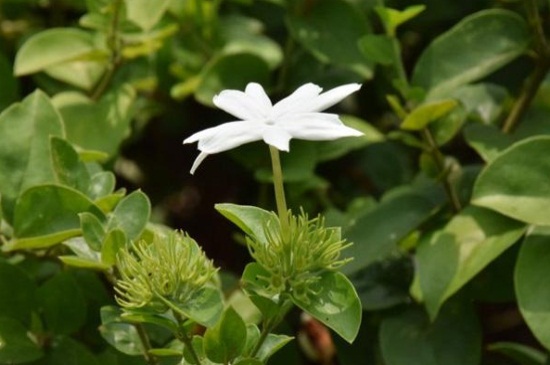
(170, 269)
(295, 260)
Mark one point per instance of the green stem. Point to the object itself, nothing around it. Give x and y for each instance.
(279, 190)
(439, 159)
(270, 324)
(542, 66)
(144, 338)
(187, 341)
(113, 42)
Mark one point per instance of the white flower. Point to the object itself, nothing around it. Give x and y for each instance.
(296, 116)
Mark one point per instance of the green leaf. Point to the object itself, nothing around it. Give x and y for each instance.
(25, 131)
(522, 354)
(453, 256)
(114, 241)
(68, 168)
(449, 126)
(205, 307)
(131, 214)
(84, 263)
(21, 299)
(9, 92)
(249, 362)
(427, 113)
(375, 234)
(393, 18)
(16, 346)
(53, 47)
(48, 214)
(122, 336)
(84, 74)
(410, 338)
(516, 182)
(251, 220)
(63, 304)
(533, 294)
(272, 344)
(226, 340)
(145, 13)
(322, 31)
(145, 316)
(474, 48)
(379, 48)
(335, 304)
(487, 140)
(98, 126)
(102, 184)
(233, 71)
(92, 230)
(67, 351)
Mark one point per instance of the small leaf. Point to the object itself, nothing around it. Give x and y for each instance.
(102, 184)
(516, 182)
(67, 351)
(533, 294)
(272, 344)
(68, 167)
(427, 113)
(123, 336)
(487, 140)
(522, 354)
(393, 18)
(131, 214)
(145, 13)
(336, 304)
(226, 340)
(53, 47)
(92, 230)
(474, 48)
(138, 316)
(379, 48)
(205, 307)
(251, 220)
(16, 346)
(114, 241)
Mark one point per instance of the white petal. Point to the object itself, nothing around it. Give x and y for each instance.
(197, 162)
(277, 137)
(243, 105)
(333, 96)
(227, 136)
(317, 127)
(297, 102)
(257, 92)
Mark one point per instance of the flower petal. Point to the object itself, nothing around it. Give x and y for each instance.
(197, 162)
(227, 136)
(277, 137)
(248, 105)
(317, 127)
(333, 96)
(298, 102)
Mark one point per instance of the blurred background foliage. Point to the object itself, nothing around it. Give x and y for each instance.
(131, 79)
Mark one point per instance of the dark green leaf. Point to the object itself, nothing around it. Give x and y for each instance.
(67, 351)
(17, 347)
(21, 299)
(516, 182)
(114, 241)
(272, 344)
(477, 46)
(68, 168)
(379, 48)
(524, 355)
(92, 230)
(25, 131)
(205, 307)
(10, 89)
(487, 140)
(335, 304)
(123, 336)
(533, 294)
(226, 340)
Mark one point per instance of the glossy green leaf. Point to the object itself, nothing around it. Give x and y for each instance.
(16, 346)
(115, 240)
(145, 13)
(516, 182)
(205, 307)
(145, 316)
(393, 18)
(474, 48)
(272, 344)
(449, 126)
(255, 283)
(427, 113)
(233, 71)
(487, 140)
(53, 47)
(98, 126)
(63, 304)
(68, 168)
(21, 300)
(335, 304)
(409, 337)
(25, 131)
(323, 29)
(375, 235)
(101, 184)
(251, 220)
(131, 214)
(123, 336)
(453, 256)
(533, 294)
(379, 48)
(522, 354)
(226, 340)
(48, 214)
(92, 230)
(484, 102)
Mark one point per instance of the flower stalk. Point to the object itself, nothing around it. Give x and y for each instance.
(278, 184)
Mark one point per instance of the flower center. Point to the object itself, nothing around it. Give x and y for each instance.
(269, 121)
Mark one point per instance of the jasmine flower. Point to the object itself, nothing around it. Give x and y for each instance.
(296, 116)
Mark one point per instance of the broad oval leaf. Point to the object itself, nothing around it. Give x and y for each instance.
(17, 347)
(336, 304)
(52, 47)
(477, 46)
(131, 214)
(145, 13)
(68, 168)
(516, 182)
(251, 220)
(532, 291)
(21, 288)
(454, 255)
(226, 340)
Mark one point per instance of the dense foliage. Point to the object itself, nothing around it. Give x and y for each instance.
(446, 196)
